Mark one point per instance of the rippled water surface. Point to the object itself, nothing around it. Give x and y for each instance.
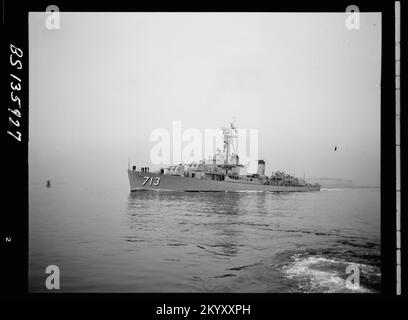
(110, 240)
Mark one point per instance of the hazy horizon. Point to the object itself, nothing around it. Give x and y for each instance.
(103, 82)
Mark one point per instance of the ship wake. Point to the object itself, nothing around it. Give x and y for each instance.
(318, 273)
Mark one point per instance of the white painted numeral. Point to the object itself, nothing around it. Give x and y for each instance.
(146, 179)
(155, 181)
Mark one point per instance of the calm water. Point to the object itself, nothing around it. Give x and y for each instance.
(108, 240)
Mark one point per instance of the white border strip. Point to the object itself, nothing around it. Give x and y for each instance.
(397, 138)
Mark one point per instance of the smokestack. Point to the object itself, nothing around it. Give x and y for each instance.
(261, 168)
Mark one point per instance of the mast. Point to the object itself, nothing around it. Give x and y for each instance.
(228, 143)
(230, 136)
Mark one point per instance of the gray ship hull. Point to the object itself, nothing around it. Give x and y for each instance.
(156, 181)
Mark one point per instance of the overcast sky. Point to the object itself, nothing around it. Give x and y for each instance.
(104, 81)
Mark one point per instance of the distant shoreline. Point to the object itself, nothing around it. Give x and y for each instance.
(350, 187)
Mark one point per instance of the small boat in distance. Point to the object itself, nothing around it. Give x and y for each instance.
(223, 176)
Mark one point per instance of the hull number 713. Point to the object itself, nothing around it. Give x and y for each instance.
(155, 181)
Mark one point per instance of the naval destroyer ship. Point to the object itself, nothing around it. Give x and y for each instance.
(223, 173)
